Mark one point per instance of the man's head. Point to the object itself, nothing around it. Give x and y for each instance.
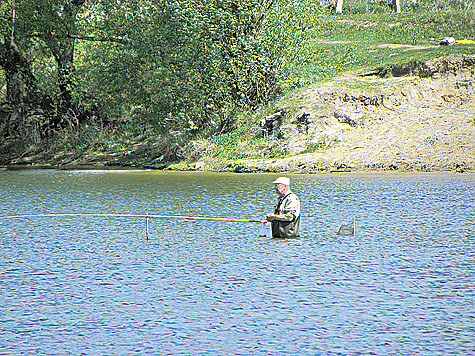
(282, 185)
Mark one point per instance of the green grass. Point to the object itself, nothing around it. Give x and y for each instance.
(323, 143)
(396, 28)
(244, 143)
(343, 43)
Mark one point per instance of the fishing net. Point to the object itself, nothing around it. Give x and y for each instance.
(346, 230)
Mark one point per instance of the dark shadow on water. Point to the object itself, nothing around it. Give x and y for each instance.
(285, 239)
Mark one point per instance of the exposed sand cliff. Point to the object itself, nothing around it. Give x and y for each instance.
(423, 120)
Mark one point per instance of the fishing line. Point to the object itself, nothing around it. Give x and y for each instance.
(146, 216)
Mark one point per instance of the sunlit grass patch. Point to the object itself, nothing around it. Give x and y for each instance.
(324, 142)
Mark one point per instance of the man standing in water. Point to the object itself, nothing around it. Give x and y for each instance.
(286, 218)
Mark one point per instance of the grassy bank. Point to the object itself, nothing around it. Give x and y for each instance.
(333, 45)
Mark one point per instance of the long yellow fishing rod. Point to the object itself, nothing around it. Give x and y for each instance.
(136, 216)
(147, 216)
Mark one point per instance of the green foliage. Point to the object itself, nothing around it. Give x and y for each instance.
(181, 64)
(188, 65)
(288, 32)
(232, 144)
(245, 142)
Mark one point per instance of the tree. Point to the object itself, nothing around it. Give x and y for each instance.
(339, 6)
(181, 64)
(20, 80)
(189, 65)
(39, 29)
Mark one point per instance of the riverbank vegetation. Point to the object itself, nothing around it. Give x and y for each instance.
(152, 83)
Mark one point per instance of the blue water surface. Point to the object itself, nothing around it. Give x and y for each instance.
(402, 285)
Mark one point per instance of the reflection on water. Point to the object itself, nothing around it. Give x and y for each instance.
(403, 285)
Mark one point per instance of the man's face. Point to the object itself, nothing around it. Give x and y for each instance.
(280, 189)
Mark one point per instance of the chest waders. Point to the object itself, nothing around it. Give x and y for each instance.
(285, 229)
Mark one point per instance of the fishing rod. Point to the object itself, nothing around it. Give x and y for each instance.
(136, 216)
(147, 216)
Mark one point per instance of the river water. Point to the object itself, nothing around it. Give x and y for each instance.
(404, 284)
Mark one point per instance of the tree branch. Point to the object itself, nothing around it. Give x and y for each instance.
(100, 39)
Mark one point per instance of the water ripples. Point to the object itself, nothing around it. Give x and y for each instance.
(402, 285)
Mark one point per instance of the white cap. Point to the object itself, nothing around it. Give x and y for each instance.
(282, 180)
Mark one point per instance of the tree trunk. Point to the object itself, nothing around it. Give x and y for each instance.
(22, 86)
(339, 6)
(24, 98)
(62, 48)
(397, 6)
(65, 61)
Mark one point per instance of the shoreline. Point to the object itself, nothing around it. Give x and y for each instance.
(248, 170)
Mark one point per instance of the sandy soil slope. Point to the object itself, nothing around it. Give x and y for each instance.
(368, 123)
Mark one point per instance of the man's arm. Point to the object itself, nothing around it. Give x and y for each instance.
(280, 217)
